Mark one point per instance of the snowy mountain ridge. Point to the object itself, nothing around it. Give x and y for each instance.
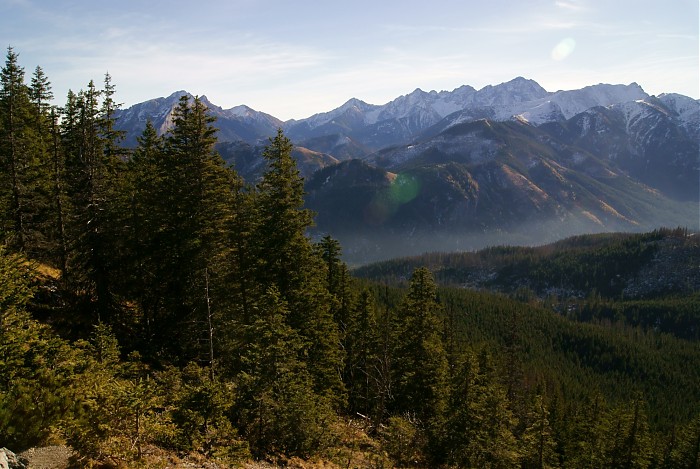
(407, 117)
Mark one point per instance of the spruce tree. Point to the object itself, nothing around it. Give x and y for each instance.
(686, 451)
(52, 248)
(362, 364)
(585, 447)
(182, 199)
(421, 371)
(288, 263)
(24, 196)
(284, 250)
(480, 424)
(629, 442)
(91, 191)
(539, 447)
(420, 368)
(145, 215)
(278, 409)
(37, 368)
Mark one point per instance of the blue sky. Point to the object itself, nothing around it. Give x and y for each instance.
(294, 58)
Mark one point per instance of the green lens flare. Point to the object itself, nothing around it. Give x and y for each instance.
(404, 189)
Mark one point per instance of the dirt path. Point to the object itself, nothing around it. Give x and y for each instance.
(49, 457)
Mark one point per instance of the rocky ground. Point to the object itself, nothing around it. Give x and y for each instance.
(59, 457)
(48, 457)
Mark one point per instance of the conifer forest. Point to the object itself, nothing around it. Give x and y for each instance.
(153, 304)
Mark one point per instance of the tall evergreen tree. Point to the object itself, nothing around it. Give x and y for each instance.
(36, 367)
(23, 191)
(287, 262)
(480, 425)
(91, 189)
(145, 215)
(283, 222)
(586, 446)
(277, 407)
(420, 368)
(179, 214)
(48, 151)
(41, 95)
(686, 451)
(421, 372)
(108, 120)
(362, 364)
(539, 447)
(629, 443)
(337, 282)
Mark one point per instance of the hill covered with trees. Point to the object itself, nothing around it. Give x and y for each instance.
(153, 303)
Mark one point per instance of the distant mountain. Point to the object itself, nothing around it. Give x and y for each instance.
(399, 121)
(242, 134)
(645, 139)
(604, 169)
(507, 163)
(239, 123)
(408, 117)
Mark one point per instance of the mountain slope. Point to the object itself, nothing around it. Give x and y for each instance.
(249, 163)
(482, 179)
(645, 139)
(405, 118)
(240, 123)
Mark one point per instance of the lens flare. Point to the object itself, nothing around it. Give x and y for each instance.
(403, 189)
(563, 49)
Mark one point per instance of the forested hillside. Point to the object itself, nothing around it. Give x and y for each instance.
(154, 306)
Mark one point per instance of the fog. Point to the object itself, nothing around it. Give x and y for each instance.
(367, 246)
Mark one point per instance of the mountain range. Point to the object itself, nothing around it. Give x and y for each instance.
(465, 168)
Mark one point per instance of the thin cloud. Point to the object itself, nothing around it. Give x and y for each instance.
(569, 5)
(689, 37)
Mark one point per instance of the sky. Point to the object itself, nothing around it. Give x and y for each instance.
(295, 58)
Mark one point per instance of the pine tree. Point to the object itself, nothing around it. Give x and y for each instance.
(242, 257)
(586, 447)
(362, 365)
(90, 189)
(480, 425)
(37, 368)
(686, 451)
(278, 409)
(329, 250)
(53, 248)
(287, 262)
(337, 283)
(421, 371)
(24, 197)
(58, 195)
(201, 412)
(628, 438)
(420, 368)
(539, 447)
(283, 222)
(181, 203)
(40, 91)
(143, 217)
(110, 135)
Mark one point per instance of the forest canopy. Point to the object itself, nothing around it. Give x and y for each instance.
(151, 299)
